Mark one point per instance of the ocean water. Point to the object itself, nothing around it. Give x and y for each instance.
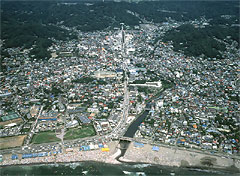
(95, 168)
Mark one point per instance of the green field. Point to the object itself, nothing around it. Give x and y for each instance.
(45, 137)
(75, 133)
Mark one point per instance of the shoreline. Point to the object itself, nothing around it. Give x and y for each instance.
(179, 158)
(166, 158)
(200, 168)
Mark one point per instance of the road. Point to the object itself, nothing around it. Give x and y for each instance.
(124, 115)
(119, 129)
(30, 135)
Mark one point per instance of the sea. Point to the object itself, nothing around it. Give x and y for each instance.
(96, 168)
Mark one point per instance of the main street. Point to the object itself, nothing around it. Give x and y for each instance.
(31, 133)
(119, 128)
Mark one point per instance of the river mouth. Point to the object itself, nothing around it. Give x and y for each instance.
(123, 147)
(130, 134)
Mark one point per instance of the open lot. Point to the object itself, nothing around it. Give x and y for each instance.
(75, 133)
(17, 121)
(9, 142)
(44, 137)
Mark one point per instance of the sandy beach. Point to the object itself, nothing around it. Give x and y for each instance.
(74, 156)
(180, 158)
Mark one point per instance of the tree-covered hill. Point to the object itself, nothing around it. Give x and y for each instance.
(25, 23)
(196, 41)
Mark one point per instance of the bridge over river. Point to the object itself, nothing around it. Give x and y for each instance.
(128, 136)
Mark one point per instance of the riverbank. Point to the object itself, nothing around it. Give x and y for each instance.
(179, 158)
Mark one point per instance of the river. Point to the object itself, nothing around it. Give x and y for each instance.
(134, 126)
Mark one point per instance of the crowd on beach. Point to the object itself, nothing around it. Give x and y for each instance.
(74, 155)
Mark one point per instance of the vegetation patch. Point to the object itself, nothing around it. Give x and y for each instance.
(45, 137)
(83, 132)
(196, 41)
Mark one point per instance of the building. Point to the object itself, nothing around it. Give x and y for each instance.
(84, 119)
(105, 74)
(50, 116)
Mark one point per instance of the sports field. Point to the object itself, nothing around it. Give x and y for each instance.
(9, 117)
(44, 137)
(9, 142)
(76, 133)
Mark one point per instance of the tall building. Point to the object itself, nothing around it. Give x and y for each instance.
(123, 36)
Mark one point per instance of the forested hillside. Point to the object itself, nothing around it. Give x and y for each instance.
(196, 41)
(28, 23)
